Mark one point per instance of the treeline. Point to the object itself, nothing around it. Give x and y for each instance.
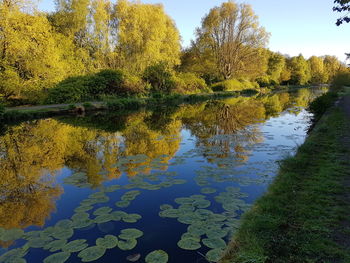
(92, 49)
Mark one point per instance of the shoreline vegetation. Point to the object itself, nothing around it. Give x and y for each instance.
(303, 215)
(14, 114)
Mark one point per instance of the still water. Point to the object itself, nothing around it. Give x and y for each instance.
(116, 187)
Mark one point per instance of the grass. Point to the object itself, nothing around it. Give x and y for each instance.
(295, 221)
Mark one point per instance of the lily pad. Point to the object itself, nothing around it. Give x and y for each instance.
(91, 253)
(131, 218)
(127, 244)
(189, 244)
(102, 211)
(130, 233)
(214, 242)
(122, 204)
(157, 256)
(214, 255)
(208, 190)
(57, 257)
(65, 223)
(103, 218)
(63, 233)
(118, 215)
(11, 234)
(202, 203)
(38, 242)
(83, 208)
(170, 213)
(109, 241)
(75, 246)
(165, 207)
(82, 223)
(55, 245)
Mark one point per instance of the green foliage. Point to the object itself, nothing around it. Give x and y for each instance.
(300, 71)
(189, 83)
(341, 79)
(2, 111)
(320, 105)
(92, 87)
(160, 78)
(234, 85)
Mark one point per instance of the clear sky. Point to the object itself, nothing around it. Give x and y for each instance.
(296, 26)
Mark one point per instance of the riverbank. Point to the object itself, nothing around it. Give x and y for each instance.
(42, 111)
(305, 215)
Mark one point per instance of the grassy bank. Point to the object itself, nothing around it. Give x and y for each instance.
(300, 217)
(10, 115)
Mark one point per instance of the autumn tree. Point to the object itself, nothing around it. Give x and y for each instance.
(146, 35)
(276, 64)
(318, 73)
(233, 34)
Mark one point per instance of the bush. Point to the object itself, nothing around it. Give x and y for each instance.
(133, 86)
(89, 87)
(320, 105)
(234, 85)
(341, 80)
(189, 83)
(160, 78)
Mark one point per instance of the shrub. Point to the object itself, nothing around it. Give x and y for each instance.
(320, 105)
(133, 85)
(160, 78)
(234, 85)
(189, 83)
(341, 80)
(106, 81)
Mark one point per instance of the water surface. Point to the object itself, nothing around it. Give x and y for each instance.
(183, 176)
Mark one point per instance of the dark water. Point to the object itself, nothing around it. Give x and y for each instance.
(219, 155)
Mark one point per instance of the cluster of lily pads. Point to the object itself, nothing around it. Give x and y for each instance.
(201, 221)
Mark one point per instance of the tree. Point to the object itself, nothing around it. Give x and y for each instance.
(146, 35)
(342, 6)
(318, 73)
(300, 70)
(275, 66)
(233, 34)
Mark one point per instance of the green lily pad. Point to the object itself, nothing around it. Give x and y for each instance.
(82, 223)
(189, 244)
(131, 195)
(170, 213)
(208, 190)
(214, 242)
(102, 211)
(75, 246)
(11, 234)
(60, 257)
(131, 218)
(192, 236)
(122, 204)
(130, 233)
(118, 215)
(183, 200)
(79, 216)
(83, 208)
(112, 188)
(103, 218)
(202, 203)
(63, 233)
(91, 253)
(65, 223)
(165, 207)
(214, 255)
(55, 245)
(109, 241)
(16, 260)
(38, 242)
(13, 255)
(127, 244)
(157, 256)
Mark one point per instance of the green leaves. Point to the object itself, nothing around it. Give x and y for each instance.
(91, 253)
(157, 256)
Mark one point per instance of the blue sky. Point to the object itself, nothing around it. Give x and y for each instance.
(296, 26)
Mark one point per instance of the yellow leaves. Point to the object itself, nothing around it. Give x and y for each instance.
(146, 36)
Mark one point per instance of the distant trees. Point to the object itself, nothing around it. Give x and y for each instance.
(233, 35)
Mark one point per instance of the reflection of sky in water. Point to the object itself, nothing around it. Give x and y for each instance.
(246, 159)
